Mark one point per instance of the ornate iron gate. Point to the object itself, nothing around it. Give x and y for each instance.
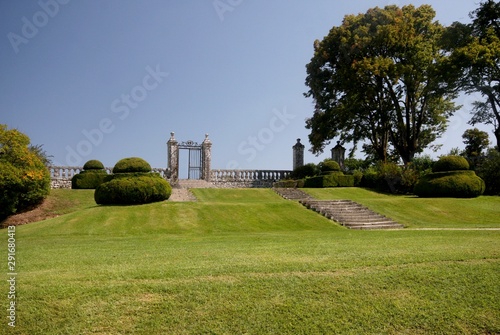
(199, 156)
(194, 158)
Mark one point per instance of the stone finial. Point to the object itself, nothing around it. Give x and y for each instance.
(172, 135)
(207, 140)
(298, 144)
(298, 154)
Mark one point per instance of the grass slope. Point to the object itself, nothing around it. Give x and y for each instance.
(247, 261)
(414, 212)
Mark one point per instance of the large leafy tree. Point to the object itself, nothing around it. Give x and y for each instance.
(476, 143)
(378, 77)
(24, 179)
(476, 50)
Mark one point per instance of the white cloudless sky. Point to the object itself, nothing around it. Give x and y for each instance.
(111, 79)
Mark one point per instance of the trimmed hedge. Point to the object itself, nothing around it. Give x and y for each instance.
(131, 164)
(93, 164)
(329, 165)
(451, 163)
(130, 190)
(88, 179)
(330, 180)
(455, 184)
(93, 175)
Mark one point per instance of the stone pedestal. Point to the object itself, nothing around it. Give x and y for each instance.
(298, 154)
(173, 158)
(338, 153)
(206, 157)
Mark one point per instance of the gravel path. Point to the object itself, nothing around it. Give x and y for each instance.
(181, 194)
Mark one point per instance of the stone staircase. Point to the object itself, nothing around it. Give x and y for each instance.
(292, 193)
(348, 213)
(351, 214)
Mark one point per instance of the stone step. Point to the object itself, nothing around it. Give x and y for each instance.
(292, 193)
(350, 214)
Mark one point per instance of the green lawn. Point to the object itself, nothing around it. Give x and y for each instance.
(247, 261)
(414, 212)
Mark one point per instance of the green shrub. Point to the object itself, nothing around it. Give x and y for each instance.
(131, 164)
(329, 165)
(93, 164)
(330, 180)
(314, 182)
(451, 163)
(308, 170)
(338, 180)
(489, 171)
(358, 176)
(130, 190)
(88, 179)
(24, 179)
(455, 184)
(93, 175)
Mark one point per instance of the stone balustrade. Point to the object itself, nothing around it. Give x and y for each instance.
(248, 175)
(61, 176)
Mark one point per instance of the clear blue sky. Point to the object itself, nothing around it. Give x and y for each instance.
(111, 79)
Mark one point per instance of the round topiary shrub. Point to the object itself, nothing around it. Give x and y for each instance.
(130, 190)
(93, 175)
(131, 164)
(329, 166)
(456, 183)
(132, 183)
(93, 164)
(451, 163)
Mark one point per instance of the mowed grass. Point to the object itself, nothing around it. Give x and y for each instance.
(248, 262)
(415, 212)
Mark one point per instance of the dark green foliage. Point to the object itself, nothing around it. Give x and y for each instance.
(329, 166)
(456, 184)
(330, 180)
(93, 175)
(489, 171)
(314, 182)
(358, 176)
(88, 179)
(451, 163)
(130, 190)
(132, 164)
(24, 179)
(132, 183)
(390, 177)
(304, 171)
(93, 164)
(338, 180)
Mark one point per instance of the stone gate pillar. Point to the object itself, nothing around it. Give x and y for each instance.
(206, 157)
(298, 154)
(173, 157)
(338, 153)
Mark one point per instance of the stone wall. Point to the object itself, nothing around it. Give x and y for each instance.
(61, 177)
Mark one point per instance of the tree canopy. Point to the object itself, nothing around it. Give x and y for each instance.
(379, 77)
(475, 50)
(24, 179)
